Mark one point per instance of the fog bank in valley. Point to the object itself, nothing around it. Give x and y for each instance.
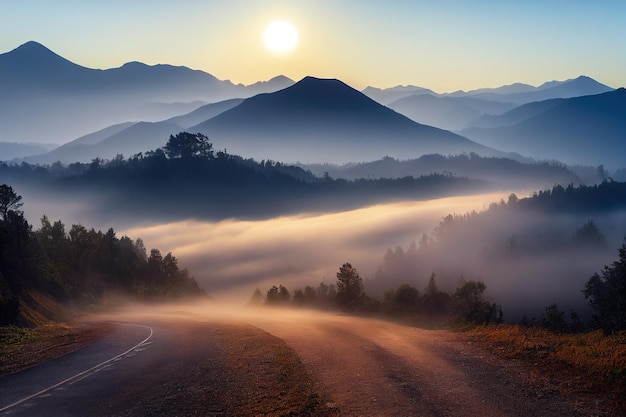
(231, 258)
(528, 260)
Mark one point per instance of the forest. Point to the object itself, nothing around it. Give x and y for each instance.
(189, 179)
(78, 265)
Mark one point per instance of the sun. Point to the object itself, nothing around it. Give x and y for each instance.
(280, 36)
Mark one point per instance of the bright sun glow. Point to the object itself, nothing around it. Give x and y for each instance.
(280, 36)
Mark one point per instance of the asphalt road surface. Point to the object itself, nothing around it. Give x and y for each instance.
(157, 368)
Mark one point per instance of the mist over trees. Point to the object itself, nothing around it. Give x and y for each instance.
(78, 265)
(530, 252)
(187, 178)
(433, 307)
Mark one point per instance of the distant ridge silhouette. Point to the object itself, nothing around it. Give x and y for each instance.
(517, 93)
(580, 130)
(47, 98)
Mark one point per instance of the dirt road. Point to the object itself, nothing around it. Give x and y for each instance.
(377, 368)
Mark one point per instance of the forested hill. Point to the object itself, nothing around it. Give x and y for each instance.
(76, 266)
(187, 179)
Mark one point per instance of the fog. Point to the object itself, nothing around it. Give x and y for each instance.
(231, 258)
(527, 261)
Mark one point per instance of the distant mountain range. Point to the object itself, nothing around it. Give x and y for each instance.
(11, 150)
(458, 110)
(134, 108)
(517, 93)
(579, 130)
(321, 120)
(522, 94)
(46, 98)
(444, 112)
(315, 120)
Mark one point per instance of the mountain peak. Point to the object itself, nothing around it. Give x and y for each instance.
(29, 51)
(33, 56)
(313, 92)
(321, 86)
(310, 80)
(31, 46)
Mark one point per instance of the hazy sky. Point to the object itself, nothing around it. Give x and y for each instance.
(443, 45)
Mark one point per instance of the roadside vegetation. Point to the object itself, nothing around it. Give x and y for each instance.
(587, 364)
(44, 268)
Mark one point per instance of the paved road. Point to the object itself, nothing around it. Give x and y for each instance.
(137, 370)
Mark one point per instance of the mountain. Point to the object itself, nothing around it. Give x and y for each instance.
(126, 139)
(581, 130)
(46, 98)
(12, 150)
(130, 138)
(505, 89)
(389, 95)
(204, 113)
(516, 115)
(442, 112)
(325, 120)
(277, 83)
(485, 107)
(576, 87)
(100, 135)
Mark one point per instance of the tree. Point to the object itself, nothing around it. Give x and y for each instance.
(326, 294)
(256, 298)
(186, 145)
(349, 287)
(277, 295)
(435, 302)
(554, 319)
(310, 296)
(406, 298)
(298, 296)
(589, 235)
(606, 292)
(472, 307)
(9, 201)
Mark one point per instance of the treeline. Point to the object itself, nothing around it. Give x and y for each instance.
(607, 196)
(504, 171)
(187, 178)
(467, 304)
(605, 292)
(78, 264)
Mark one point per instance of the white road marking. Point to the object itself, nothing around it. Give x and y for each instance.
(82, 374)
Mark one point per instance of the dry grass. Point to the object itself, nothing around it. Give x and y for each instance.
(583, 364)
(22, 347)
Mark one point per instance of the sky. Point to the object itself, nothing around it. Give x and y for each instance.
(444, 45)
